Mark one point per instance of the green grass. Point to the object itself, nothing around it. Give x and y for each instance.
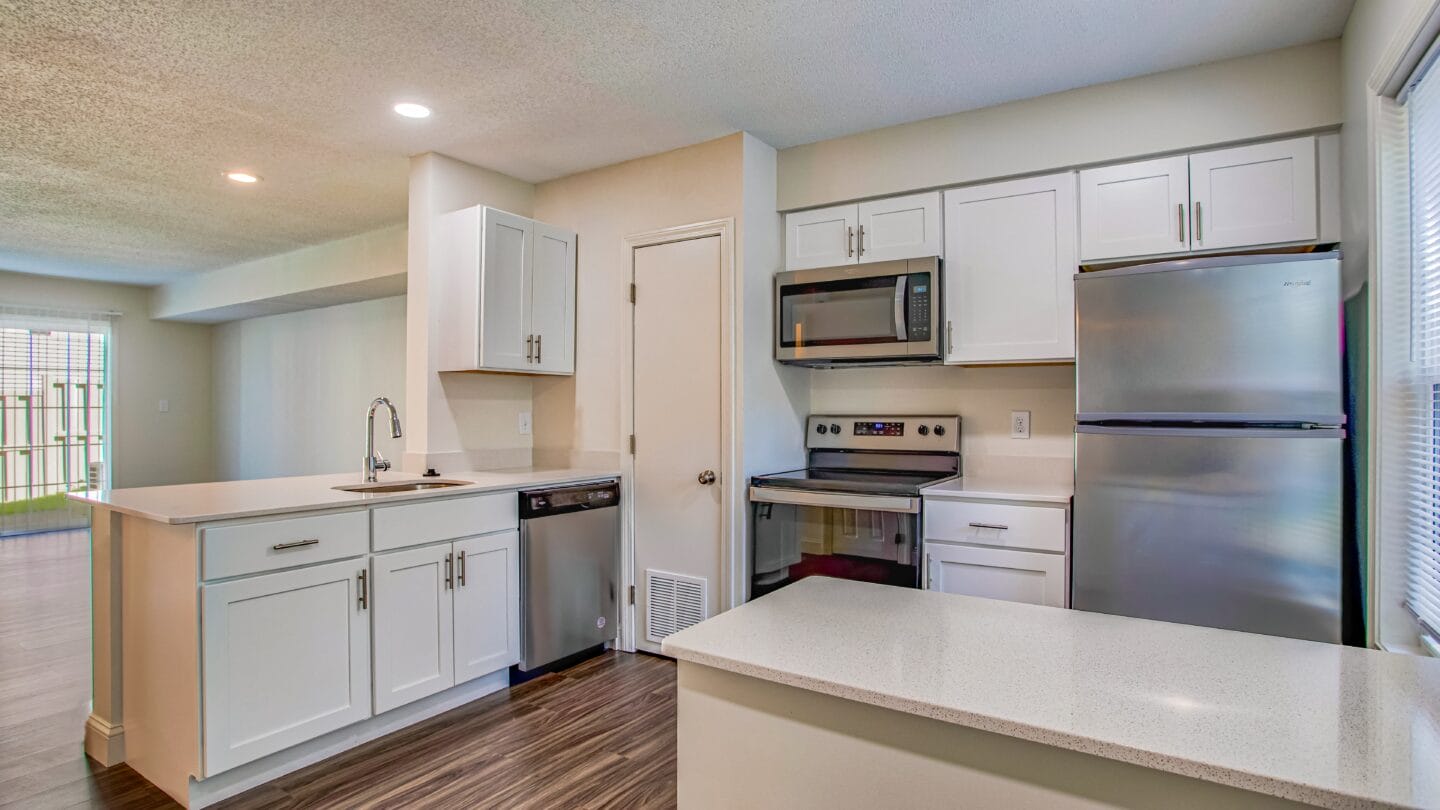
(44, 503)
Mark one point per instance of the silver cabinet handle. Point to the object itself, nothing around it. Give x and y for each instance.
(989, 526)
(901, 333)
(861, 240)
(1199, 229)
(295, 544)
(450, 572)
(707, 477)
(538, 347)
(1180, 221)
(363, 591)
(850, 242)
(529, 348)
(460, 577)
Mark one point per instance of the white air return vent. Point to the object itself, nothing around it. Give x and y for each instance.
(673, 602)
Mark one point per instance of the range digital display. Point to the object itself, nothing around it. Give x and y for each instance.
(879, 428)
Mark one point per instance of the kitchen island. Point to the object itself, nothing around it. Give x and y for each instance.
(244, 629)
(845, 694)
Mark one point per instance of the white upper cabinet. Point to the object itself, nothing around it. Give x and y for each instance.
(821, 238)
(1010, 258)
(1254, 195)
(1135, 209)
(905, 227)
(899, 228)
(504, 292)
(1241, 197)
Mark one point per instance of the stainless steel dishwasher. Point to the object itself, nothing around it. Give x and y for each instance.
(569, 570)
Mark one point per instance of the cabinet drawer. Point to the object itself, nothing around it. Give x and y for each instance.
(996, 573)
(415, 524)
(249, 548)
(1039, 528)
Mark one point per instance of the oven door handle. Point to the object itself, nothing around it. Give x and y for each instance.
(902, 334)
(841, 500)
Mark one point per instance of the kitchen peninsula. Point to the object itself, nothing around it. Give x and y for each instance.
(845, 694)
(244, 629)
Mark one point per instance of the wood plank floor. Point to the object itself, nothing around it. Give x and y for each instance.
(598, 735)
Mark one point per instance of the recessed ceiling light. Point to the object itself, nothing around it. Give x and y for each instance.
(241, 177)
(412, 110)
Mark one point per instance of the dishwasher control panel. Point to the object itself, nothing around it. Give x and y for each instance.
(560, 500)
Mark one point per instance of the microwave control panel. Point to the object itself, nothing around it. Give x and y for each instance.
(918, 318)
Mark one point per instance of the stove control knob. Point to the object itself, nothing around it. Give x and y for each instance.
(820, 429)
(939, 430)
(923, 430)
(835, 429)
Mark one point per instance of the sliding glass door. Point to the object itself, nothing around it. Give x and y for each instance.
(54, 417)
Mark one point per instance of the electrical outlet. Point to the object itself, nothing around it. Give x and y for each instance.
(1019, 424)
(524, 423)
(164, 406)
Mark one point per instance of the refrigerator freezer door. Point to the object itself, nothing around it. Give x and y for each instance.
(1235, 339)
(1237, 529)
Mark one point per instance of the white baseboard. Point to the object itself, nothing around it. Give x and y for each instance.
(104, 741)
(206, 792)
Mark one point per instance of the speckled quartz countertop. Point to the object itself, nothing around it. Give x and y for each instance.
(1318, 723)
(999, 489)
(224, 500)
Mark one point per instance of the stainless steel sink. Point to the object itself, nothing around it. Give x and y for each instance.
(399, 486)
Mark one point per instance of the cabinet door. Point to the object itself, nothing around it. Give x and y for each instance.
(1010, 259)
(487, 604)
(899, 228)
(1135, 209)
(414, 635)
(995, 573)
(552, 300)
(505, 290)
(820, 238)
(286, 659)
(1254, 195)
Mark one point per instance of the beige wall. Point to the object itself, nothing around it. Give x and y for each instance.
(1269, 94)
(579, 417)
(290, 390)
(149, 361)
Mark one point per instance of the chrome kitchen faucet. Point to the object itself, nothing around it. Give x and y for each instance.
(373, 460)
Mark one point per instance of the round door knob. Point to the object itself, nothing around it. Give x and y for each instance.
(707, 477)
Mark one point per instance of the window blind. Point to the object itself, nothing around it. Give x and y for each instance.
(1422, 425)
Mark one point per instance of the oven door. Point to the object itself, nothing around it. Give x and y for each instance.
(880, 311)
(796, 537)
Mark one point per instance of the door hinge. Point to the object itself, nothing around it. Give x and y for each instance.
(632, 293)
(631, 597)
(632, 444)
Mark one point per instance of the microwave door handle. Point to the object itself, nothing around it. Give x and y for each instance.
(901, 333)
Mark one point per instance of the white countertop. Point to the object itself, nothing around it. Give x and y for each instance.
(970, 488)
(1319, 723)
(224, 500)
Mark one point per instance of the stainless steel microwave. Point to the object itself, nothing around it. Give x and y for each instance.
(884, 313)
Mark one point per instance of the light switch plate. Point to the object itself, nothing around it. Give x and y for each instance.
(1019, 424)
(524, 423)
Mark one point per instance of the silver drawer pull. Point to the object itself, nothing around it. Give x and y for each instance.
(988, 526)
(295, 544)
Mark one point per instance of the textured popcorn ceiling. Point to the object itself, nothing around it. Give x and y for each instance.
(117, 117)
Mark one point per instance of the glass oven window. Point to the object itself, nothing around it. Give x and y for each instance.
(834, 313)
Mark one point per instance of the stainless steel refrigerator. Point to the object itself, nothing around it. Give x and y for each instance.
(1209, 456)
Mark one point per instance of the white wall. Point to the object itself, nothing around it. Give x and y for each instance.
(1265, 95)
(290, 391)
(459, 421)
(149, 361)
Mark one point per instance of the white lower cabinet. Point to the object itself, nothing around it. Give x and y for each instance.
(414, 652)
(996, 573)
(286, 658)
(445, 614)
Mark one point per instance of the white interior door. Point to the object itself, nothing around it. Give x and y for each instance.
(824, 237)
(996, 573)
(286, 657)
(505, 290)
(678, 356)
(552, 300)
(1010, 261)
(1135, 209)
(1255, 195)
(487, 604)
(905, 227)
(414, 629)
